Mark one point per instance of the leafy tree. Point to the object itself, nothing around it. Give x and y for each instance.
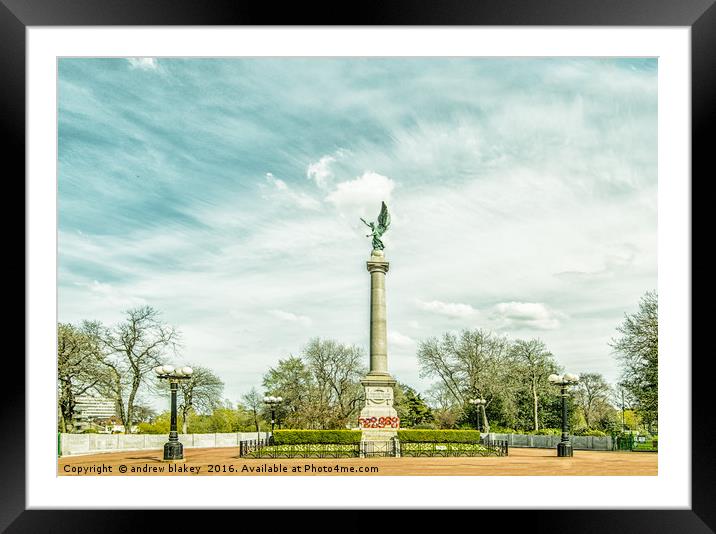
(411, 407)
(632, 420)
(552, 410)
(292, 381)
(625, 403)
(79, 369)
(160, 424)
(222, 418)
(637, 349)
(536, 364)
(132, 349)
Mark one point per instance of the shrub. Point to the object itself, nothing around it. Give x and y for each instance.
(497, 429)
(296, 437)
(438, 436)
(153, 428)
(596, 433)
(547, 432)
(424, 426)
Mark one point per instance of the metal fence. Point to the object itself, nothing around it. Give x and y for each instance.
(482, 448)
(380, 449)
(631, 443)
(371, 449)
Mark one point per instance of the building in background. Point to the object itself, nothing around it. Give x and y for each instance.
(93, 413)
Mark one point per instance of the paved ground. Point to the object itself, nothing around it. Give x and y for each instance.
(224, 461)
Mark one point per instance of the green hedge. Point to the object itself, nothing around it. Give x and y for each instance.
(297, 437)
(438, 436)
(595, 433)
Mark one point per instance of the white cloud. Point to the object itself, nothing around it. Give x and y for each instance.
(278, 183)
(363, 195)
(143, 63)
(291, 317)
(530, 315)
(112, 296)
(400, 340)
(450, 309)
(616, 262)
(486, 211)
(320, 171)
(283, 192)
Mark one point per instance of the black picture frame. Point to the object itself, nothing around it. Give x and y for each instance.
(698, 15)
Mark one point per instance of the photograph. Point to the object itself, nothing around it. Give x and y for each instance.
(357, 266)
(418, 258)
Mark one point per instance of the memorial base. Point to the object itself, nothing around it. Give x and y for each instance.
(378, 420)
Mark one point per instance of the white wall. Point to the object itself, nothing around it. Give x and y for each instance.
(74, 444)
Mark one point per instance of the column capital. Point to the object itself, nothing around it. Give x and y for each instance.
(377, 265)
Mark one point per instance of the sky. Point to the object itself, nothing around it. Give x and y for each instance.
(227, 193)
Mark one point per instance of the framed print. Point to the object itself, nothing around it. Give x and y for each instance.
(376, 263)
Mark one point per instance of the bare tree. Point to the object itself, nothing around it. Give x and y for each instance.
(254, 403)
(201, 392)
(445, 408)
(79, 369)
(592, 396)
(536, 363)
(337, 370)
(475, 363)
(132, 349)
(144, 413)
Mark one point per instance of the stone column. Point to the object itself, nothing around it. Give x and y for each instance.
(378, 267)
(378, 419)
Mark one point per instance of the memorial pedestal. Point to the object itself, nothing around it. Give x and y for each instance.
(378, 420)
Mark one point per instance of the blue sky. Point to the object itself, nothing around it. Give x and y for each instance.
(227, 194)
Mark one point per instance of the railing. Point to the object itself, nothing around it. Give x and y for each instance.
(264, 449)
(631, 443)
(371, 449)
(380, 449)
(483, 448)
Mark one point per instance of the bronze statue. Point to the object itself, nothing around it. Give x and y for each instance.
(377, 230)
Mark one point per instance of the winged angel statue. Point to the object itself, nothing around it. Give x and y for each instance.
(379, 228)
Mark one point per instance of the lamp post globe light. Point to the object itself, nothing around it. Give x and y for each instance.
(564, 447)
(478, 404)
(173, 449)
(273, 403)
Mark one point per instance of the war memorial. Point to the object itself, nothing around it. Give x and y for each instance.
(378, 419)
(379, 424)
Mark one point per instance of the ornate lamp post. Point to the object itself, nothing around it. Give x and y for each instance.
(478, 404)
(273, 403)
(564, 448)
(173, 449)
